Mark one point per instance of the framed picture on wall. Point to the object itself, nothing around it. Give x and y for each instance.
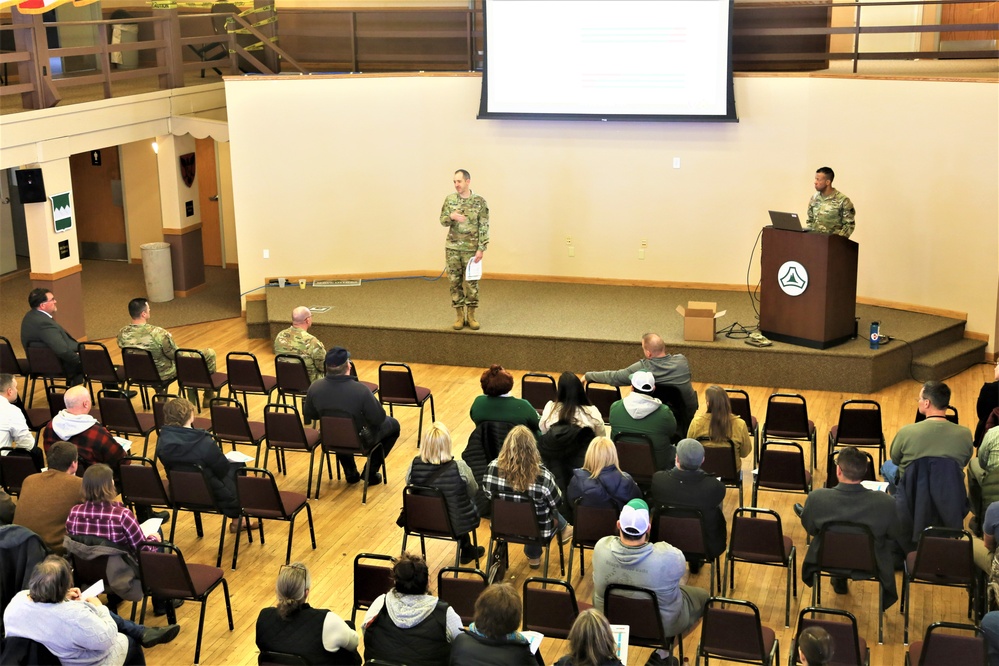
(62, 212)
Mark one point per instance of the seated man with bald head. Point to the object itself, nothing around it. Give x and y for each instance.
(75, 424)
(297, 340)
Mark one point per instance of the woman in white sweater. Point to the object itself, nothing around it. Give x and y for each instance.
(572, 406)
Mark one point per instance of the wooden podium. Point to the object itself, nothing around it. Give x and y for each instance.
(812, 302)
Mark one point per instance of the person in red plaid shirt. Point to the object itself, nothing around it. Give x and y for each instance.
(75, 424)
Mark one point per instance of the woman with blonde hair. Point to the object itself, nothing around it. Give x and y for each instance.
(718, 425)
(600, 482)
(591, 642)
(295, 627)
(436, 467)
(518, 472)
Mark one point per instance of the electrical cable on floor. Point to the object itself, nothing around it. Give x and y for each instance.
(749, 268)
(407, 277)
(737, 331)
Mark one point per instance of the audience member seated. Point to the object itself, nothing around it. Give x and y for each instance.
(496, 403)
(80, 632)
(518, 472)
(983, 478)
(75, 424)
(572, 406)
(407, 624)
(14, 429)
(815, 647)
(437, 468)
(640, 412)
(47, 498)
(719, 425)
(990, 630)
(600, 481)
(631, 559)
(591, 642)
(492, 639)
(6, 509)
(294, 627)
(668, 370)
(688, 486)
(297, 340)
(40, 329)
(101, 526)
(180, 445)
(988, 400)
(986, 547)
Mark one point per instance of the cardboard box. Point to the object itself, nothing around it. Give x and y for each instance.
(699, 320)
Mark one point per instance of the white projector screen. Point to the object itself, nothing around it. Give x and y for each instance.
(608, 60)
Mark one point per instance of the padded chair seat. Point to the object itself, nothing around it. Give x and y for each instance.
(863, 651)
(915, 650)
(371, 386)
(312, 438)
(38, 416)
(910, 564)
(146, 421)
(203, 576)
(854, 441)
(219, 379)
(788, 434)
(202, 423)
(422, 393)
(784, 485)
(768, 643)
(764, 558)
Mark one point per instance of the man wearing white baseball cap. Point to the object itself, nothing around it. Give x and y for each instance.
(630, 559)
(642, 413)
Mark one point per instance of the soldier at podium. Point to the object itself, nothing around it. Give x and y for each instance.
(829, 210)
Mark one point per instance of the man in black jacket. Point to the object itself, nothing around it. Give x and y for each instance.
(338, 393)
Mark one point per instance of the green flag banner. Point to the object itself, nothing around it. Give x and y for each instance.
(62, 213)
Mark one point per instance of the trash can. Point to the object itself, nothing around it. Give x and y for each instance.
(157, 268)
(124, 33)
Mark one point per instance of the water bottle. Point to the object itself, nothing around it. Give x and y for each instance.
(875, 334)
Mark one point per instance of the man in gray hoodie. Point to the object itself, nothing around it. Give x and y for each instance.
(642, 413)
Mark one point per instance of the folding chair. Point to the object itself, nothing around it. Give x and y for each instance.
(722, 461)
(340, 437)
(550, 607)
(193, 375)
(119, 417)
(517, 522)
(592, 524)
(684, 528)
(940, 649)
(461, 589)
(260, 498)
(739, 400)
(851, 648)
(427, 517)
(189, 491)
(943, 557)
(859, 425)
(602, 396)
(397, 389)
(141, 484)
(847, 550)
(370, 580)
(539, 390)
(759, 540)
(636, 456)
(229, 424)
(98, 367)
(15, 466)
(44, 365)
(9, 362)
(736, 635)
(638, 607)
(782, 469)
(787, 419)
(245, 377)
(140, 370)
(292, 378)
(285, 432)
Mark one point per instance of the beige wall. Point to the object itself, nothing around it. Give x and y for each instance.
(142, 196)
(225, 197)
(360, 165)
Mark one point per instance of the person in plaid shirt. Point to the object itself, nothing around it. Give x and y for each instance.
(517, 473)
(75, 424)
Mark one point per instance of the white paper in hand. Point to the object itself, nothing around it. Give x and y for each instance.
(93, 591)
(535, 638)
(125, 444)
(473, 270)
(151, 526)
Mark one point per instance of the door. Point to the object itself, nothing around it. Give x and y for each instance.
(97, 204)
(208, 193)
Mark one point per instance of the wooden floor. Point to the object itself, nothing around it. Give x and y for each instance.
(345, 527)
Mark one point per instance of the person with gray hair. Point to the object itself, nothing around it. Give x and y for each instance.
(297, 340)
(687, 486)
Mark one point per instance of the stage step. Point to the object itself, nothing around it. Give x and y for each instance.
(948, 360)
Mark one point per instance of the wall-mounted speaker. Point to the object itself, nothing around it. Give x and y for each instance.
(30, 185)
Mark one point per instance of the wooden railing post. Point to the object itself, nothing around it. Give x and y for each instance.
(268, 56)
(36, 70)
(167, 30)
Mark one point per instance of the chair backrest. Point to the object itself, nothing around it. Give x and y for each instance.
(19, 651)
(158, 401)
(550, 606)
(292, 375)
(268, 658)
(593, 524)
(8, 360)
(192, 369)
(460, 587)
(602, 396)
(940, 649)
(87, 572)
(733, 633)
(244, 373)
(757, 538)
(847, 547)
(845, 634)
(139, 366)
(515, 522)
(43, 361)
(371, 580)
(55, 395)
(189, 488)
(164, 572)
(782, 466)
(284, 426)
(339, 433)
(739, 400)
(15, 466)
(720, 460)
(671, 396)
(395, 383)
(96, 363)
(141, 482)
(636, 456)
(229, 421)
(951, 415)
(637, 607)
(787, 416)
(117, 412)
(426, 512)
(860, 423)
(538, 389)
(258, 492)
(682, 528)
(944, 556)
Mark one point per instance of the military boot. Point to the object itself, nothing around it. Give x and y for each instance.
(472, 323)
(459, 322)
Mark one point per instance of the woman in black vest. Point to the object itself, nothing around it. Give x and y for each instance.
(295, 627)
(591, 642)
(407, 625)
(492, 639)
(437, 468)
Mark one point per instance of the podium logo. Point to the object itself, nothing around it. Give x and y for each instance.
(792, 278)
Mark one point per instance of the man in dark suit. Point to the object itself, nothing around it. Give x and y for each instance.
(852, 502)
(38, 328)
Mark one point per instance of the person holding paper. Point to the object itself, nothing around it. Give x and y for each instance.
(492, 639)
(591, 642)
(466, 216)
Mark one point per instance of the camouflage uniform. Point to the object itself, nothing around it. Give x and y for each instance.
(831, 215)
(303, 344)
(464, 239)
(160, 344)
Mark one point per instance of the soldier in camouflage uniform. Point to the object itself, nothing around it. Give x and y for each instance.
(466, 216)
(157, 341)
(829, 210)
(298, 341)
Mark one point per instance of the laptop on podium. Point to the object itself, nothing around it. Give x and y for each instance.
(786, 221)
